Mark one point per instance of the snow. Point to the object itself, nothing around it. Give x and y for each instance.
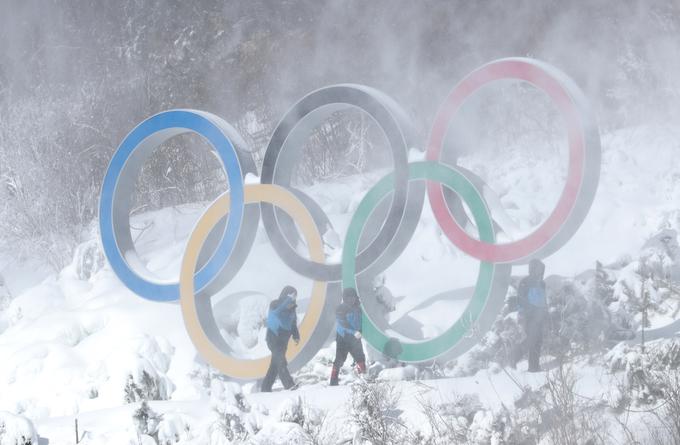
(70, 343)
(637, 196)
(284, 433)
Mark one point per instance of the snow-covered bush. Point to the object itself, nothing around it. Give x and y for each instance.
(146, 420)
(315, 425)
(645, 373)
(145, 370)
(567, 418)
(203, 377)
(449, 422)
(661, 253)
(659, 390)
(148, 388)
(578, 321)
(645, 288)
(252, 316)
(485, 429)
(669, 381)
(234, 419)
(556, 414)
(229, 424)
(464, 420)
(246, 321)
(16, 430)
(374, 411)
(292, 410)
(280, 433)
(312, 420)
(173, 428)
(88, 259)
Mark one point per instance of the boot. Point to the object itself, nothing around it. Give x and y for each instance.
(361, 367)
(334, 376)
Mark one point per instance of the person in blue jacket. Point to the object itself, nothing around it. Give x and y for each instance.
(281, 325)
(348, 334)
(533, 311)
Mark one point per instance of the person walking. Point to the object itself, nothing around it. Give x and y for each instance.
(348, 334)
(281, 325)
(533, 313)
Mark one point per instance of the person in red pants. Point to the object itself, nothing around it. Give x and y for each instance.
(348, 334)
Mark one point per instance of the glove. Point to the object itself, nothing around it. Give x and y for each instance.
(357, 335)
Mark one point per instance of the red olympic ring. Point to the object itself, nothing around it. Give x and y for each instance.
(567, 100)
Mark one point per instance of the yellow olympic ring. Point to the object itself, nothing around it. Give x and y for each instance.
(213, 348)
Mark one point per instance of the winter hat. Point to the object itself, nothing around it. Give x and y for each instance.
(349, 295)
(288, 291)
(536, 268)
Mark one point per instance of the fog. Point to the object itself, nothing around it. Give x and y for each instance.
(75, 77)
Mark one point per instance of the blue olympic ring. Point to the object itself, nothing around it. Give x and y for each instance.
(114, 206)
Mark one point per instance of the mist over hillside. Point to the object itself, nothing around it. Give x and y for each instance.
(76, 77)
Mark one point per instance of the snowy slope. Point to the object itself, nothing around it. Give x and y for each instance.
(70, 346)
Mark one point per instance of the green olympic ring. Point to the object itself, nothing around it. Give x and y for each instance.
(429, 349)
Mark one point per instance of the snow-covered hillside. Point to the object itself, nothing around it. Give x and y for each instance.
(79, 346)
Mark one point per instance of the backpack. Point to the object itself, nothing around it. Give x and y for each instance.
(536, 296)
(280, 317)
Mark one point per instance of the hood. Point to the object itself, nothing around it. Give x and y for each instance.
(288, 291)
(350, 296)
(536, 269)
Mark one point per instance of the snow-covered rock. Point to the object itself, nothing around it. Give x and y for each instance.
(16, 430)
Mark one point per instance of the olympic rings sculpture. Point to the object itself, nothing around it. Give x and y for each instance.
(379, 231)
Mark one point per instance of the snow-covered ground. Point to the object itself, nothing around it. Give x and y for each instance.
(70, 346)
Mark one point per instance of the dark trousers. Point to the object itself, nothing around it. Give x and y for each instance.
(348, 344)
(534, 327)
(278, 365)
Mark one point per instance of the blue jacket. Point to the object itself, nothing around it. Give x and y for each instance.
(282, 319)
(531, 290)
(531, 294)
(348, 319)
